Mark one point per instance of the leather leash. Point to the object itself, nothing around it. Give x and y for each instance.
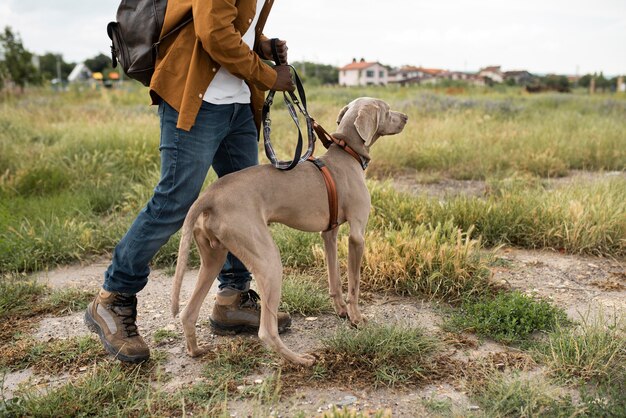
(292, 101)
(327, 140)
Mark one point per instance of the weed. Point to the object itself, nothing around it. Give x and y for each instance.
(107, 390)
(509, 317)
(384, 355)
(26, 298)
(52, 357)
(352, 413)
(439, 262)
(440, 406)
(595, 350)
(605, 399)
(304, 295)
(22, 301)
(67, 301)
(515, 396)
(225, 378)
(17, 297)
(163, 335)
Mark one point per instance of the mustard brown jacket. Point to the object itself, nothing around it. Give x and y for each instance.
(188, 61)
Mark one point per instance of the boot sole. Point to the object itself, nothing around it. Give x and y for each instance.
(95, 328)
(221, 329)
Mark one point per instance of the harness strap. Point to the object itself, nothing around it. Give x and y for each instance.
(328, 139)
(331, 189)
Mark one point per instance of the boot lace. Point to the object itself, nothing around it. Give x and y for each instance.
(125, 306)
(249, 300)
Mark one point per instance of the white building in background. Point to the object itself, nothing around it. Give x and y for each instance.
(493, 73)
(362, 73)
(79, 73)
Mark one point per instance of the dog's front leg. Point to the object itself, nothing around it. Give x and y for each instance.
(334, 282)
(355, 255)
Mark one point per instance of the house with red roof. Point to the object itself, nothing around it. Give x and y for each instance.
(363, 73)
(493, 74)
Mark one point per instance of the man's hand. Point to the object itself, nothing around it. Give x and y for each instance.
(284, 82)
(281, 46)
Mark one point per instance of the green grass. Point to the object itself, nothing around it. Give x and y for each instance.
(580, 218)
(75, 168)
(384, 355)
(305, 295)
(25, 298)
(226, 378)
(515, 396)
(111, 388)
(438, 406)
(22, 302)
(162, 335)
(593, 351)
(17, 297)
(108, 389)
(52, 357)
(509, 317)
(352, 413)
(592, 356)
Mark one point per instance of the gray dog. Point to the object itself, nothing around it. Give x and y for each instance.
(219, 222)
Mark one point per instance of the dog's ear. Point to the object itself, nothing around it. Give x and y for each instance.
(366, 123)
(342, 113)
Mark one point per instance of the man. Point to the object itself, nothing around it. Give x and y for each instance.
(208, 83)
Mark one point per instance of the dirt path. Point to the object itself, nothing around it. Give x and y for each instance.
(417, 183)
(575, 283)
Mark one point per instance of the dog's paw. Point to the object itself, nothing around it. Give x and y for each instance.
(305, 360)
(197, 351)
(358, 322)
(342, 313)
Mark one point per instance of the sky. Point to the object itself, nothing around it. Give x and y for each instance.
(542, 36)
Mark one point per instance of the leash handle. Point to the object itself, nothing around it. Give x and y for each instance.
(275, 56)
(292, 100)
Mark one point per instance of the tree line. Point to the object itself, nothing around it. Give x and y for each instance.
(21, 67)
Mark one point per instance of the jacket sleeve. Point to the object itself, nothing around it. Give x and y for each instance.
(261, 38)
(214, 22)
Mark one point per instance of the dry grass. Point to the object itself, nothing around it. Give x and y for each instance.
(439, 262)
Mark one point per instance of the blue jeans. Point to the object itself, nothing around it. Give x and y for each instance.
(224, 136)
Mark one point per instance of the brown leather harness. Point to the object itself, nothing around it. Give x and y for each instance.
(331, 188)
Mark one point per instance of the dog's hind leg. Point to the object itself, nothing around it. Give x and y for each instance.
(262, 258)
(212, 261)
(334, 281)
(356, 248)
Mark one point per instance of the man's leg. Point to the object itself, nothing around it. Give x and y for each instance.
(185, 160)
(236, 308)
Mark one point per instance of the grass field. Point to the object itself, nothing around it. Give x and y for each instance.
(76, 167)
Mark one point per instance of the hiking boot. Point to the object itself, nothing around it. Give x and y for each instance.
(236, 312)
(112, 316)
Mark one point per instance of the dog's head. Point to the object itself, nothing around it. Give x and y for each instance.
(372, 118)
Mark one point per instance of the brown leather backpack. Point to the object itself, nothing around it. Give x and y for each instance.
(136, 36)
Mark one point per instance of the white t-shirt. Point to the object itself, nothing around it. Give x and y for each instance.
(226, 88)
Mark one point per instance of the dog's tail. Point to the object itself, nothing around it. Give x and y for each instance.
(183, 252)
